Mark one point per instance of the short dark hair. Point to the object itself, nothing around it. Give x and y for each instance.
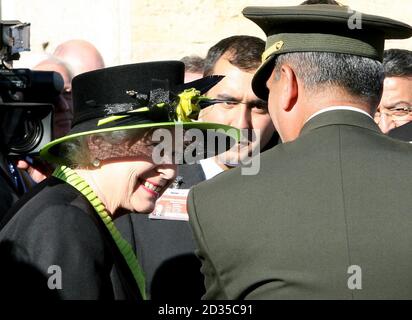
(244, 52)
(193, 63)
(397, 63)
(320, 2)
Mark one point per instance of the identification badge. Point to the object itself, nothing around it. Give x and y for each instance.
(171, 205)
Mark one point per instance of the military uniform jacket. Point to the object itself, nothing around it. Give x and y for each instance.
(328, 216)
(54, 231)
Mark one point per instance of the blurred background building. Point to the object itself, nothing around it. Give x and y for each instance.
(127, 31)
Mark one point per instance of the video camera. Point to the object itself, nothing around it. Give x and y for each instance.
(26, 112)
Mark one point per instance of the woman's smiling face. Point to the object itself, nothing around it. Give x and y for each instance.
(129, 179)
(137, 184)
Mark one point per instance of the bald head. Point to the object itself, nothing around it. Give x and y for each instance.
(63, 108)
(81, 56)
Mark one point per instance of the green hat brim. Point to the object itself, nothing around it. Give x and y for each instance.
(50, 152)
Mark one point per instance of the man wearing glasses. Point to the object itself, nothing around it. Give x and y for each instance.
(395, 107)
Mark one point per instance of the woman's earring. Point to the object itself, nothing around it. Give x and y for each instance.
(96, 163)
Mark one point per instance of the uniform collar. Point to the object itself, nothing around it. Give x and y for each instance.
(341, 116)
(334, 108)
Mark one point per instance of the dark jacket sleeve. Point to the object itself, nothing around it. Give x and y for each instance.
(63, 238)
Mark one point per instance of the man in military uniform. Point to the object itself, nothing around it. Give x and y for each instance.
(325, 217)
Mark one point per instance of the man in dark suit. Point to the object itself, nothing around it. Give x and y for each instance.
(323, 218)
(395, 108)
(166, 247)
(404, 132)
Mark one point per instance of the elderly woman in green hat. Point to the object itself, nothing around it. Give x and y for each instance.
(61, 234)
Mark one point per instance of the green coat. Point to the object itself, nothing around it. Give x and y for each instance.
(339, 195)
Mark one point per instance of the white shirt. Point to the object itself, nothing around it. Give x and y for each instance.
(339, 108)
(210, 168)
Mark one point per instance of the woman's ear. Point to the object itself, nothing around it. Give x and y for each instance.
(289, 85)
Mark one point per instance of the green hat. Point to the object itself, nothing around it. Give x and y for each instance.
(138, 96)
(320, 28)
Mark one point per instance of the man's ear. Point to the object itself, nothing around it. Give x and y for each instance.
(289, 84)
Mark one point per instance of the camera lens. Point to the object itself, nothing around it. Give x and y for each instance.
(28, 134)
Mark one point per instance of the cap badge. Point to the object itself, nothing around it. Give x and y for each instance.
(272, 49)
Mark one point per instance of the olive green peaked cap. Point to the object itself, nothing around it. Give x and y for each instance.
(320, 28)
